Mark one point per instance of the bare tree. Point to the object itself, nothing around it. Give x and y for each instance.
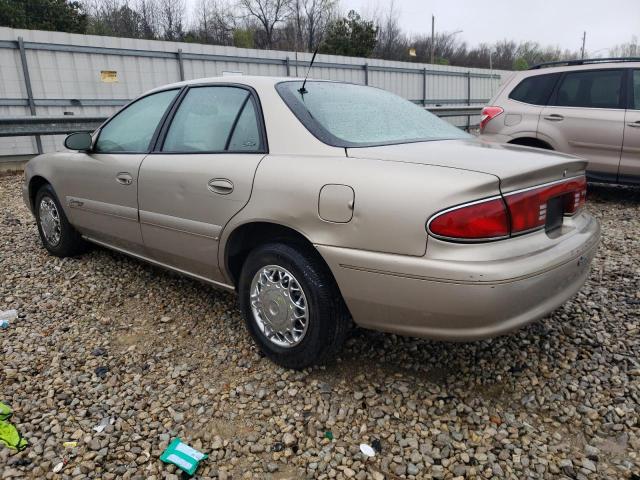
(148, 10)
(631, 49)
(171, 19)
(392, 43)
(214, 23)
(268, 13)
(312, 18)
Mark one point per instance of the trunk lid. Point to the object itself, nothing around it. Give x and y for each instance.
(515, 166)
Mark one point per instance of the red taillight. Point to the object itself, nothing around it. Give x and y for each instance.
(528, 209)
(488, 114)
(516, 213)
(478, 221)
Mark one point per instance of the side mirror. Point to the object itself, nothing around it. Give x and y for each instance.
(78, 141)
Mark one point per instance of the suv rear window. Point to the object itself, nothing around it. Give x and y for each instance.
(535, 90)
(348, 115)
(591, 89)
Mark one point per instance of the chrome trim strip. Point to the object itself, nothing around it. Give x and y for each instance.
(542, 185)
(160, 264)
(103, 208)
(182, 225)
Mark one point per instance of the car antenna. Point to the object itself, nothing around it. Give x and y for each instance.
(303, 90)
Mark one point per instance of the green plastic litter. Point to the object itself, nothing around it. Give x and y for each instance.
(9, 435)
(182, 456)
(328, 434)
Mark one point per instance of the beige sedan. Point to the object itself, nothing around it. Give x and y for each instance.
(320, 204)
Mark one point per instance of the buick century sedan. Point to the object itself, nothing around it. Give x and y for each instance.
(322, 204)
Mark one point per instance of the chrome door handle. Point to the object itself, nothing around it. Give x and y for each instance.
(221, 186)
(634, 124)
(554, 117)
(124, 178)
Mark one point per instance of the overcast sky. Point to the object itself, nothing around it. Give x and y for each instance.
(549, 22)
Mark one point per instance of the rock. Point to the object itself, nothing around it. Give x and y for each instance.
(288, 440)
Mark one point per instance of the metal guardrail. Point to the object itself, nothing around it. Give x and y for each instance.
(47, 125)
(65, 124)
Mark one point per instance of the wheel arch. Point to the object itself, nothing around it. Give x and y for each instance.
(531, 142)
(247, 236)
(36, 183)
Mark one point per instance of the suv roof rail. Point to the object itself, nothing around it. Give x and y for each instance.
(585, 61)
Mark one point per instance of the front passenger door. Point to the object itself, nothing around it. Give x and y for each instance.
(200, 176)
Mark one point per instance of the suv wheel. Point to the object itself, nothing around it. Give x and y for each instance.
(291, 305)
(57, 234)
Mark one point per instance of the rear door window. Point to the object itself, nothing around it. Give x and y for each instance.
(535, 90)
(214, 119)
(591, 89)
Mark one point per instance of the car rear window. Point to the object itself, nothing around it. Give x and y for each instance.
(535, 90)
(347, 115)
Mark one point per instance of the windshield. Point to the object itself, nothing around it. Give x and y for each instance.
(347, 115)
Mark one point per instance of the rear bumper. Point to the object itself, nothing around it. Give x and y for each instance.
(462, 300)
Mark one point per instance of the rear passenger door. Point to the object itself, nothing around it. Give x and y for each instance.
(200, 175)
(630, 162)
(585, 117)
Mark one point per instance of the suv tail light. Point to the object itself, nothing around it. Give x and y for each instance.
(515, 213)
(488, 114)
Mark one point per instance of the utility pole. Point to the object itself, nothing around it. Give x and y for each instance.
(433, 39)
(584, 39)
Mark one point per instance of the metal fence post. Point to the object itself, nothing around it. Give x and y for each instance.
(287, 63)
(27, 83)
(468, 99)
(180, 63)
(366, 73)
(424, 87)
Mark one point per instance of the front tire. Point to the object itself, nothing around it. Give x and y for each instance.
(291, 305)
(56, 233)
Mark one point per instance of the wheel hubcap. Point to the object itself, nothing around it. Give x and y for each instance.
(279, 306)
(49, 221)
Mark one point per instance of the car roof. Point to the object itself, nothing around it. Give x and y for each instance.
(586, 66)
(255, 81)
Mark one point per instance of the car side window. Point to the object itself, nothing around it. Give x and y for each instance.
(591, 89)
(535, 90)
(214, 119)
(636, 90)
(132, 129)
(246, 135)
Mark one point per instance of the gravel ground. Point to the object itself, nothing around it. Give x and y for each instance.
(104, 336)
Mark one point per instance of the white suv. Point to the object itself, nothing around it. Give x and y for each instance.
(589, 108)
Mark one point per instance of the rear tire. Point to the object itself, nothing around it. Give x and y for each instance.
(56, 233)
(292, 306)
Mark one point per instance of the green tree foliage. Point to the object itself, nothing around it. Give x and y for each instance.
(520, 63)
(243, 38)
(58, 15)
(352, 36)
